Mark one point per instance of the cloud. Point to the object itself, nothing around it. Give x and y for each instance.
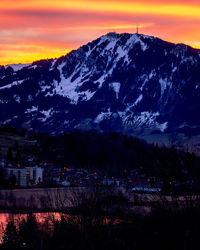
(39, 29)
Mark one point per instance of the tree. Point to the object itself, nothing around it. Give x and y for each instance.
(2, 176)
(29, 233)
(9, 154)
(18, 156)
(13, 180)
(10, 238)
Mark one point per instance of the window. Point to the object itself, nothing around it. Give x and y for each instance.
(27, 178)
(18, 178)
(34, 175)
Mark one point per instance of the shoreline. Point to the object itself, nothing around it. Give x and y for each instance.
(65, 199)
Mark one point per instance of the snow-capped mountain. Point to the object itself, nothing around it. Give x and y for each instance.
(118, 82)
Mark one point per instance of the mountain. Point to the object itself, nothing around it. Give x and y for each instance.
(122, 82)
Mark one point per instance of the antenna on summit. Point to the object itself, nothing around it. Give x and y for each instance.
(137, 29)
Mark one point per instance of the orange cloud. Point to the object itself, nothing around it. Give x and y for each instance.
(24, 53)
(185, 9)
(35, 29)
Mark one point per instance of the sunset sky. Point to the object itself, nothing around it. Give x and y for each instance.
(35, 29)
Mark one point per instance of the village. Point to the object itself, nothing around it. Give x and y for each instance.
(51, 175)
(31, 175)
(38, 162)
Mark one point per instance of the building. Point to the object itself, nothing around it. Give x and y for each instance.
(25, 176)
(2, 161)
(111, 182)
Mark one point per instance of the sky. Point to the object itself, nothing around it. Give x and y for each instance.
(37, 29)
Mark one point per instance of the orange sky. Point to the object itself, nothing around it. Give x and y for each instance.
(35, 29)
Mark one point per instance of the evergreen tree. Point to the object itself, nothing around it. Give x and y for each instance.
(18, 156)
(9, 154)
(13, 181)
(29, 233)
(10, 238)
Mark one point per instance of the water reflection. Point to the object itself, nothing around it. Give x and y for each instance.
(44, 220)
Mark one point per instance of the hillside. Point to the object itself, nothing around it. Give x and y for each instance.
(131, 83)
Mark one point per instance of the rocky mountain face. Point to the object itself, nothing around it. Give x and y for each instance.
(120, 82)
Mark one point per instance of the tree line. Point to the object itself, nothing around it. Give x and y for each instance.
(108, 223)
(112, 154)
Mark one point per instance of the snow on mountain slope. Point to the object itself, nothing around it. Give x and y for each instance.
(117, 82)
(17, 67)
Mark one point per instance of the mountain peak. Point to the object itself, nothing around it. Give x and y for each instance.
(112, 34)
(120, 82)
(119, 35)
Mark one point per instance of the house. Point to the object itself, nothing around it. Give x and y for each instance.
(111, 182)
(25, 176)
(65, 183)
(2, 161)
(52, 173)
(55, 177)
(140, 182)
(146, 189)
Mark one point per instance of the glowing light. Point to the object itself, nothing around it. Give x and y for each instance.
(142, 7)
(28, 53)
(34, 29)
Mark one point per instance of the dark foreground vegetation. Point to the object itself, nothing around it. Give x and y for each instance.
(109, 223)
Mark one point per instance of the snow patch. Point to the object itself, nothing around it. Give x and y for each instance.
(152, 74)
(144, 120)
(145, 79)
(111, 45)
(100, 81)
(15, 83)
(3, 101)
(174, 69)
(47, 114)
(69, 89)
(44, 88)
(102, 116)
(122, 53)
(17, 98)
(139, 99)
(116, 87)
(186, 125)
(7, 121)
(32, 109)
(136, 39)
(30, 98)
(162, 126)
(163, 84)
(17, 67)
